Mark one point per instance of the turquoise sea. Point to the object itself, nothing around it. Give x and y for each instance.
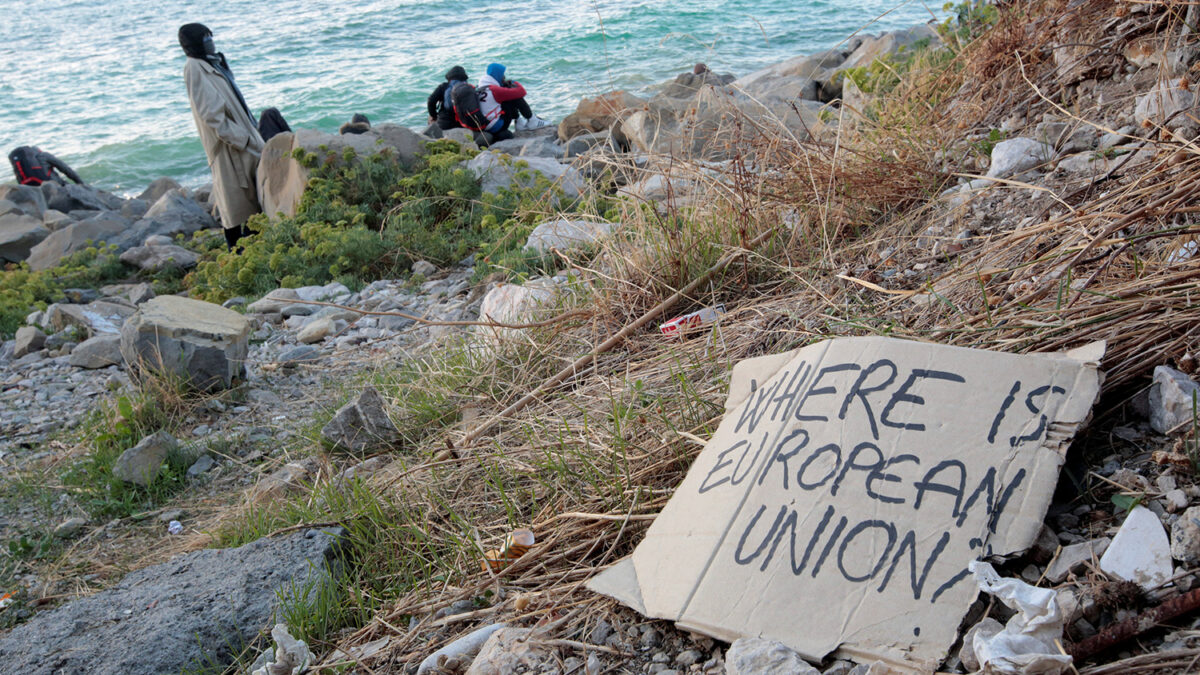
(100, 83)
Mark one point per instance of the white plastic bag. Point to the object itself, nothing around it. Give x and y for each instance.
(1028, 643)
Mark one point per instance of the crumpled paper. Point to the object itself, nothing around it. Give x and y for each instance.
(1028, 643)
(290, 656)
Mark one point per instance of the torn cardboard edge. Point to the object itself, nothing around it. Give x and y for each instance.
(850, 484)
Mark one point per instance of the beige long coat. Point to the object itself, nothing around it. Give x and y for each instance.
(230, 139)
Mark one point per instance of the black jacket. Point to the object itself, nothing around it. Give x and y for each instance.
(438, 109)
(34, 166)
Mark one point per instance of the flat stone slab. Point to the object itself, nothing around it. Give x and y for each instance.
(189, 612)
(199, 340)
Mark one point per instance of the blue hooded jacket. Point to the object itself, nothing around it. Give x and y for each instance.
(496, 70)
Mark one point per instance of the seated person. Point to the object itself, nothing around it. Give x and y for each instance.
(359, 124)
(504, 103)
(441, 110)
(33, 166)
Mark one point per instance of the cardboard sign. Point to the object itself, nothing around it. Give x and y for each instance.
(848, 487)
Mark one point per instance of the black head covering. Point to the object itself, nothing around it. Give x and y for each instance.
(360, 118)
(191, 38)
(457, 73)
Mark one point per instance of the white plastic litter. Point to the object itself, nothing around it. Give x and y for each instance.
(174, 527)
(1027, 645)
(290, 657)
(467, 647)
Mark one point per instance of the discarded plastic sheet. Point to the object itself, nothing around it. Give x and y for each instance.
(837, 506)
(682, 324)
(290, 656)
(515, 545)
(465, 647)
(174, 527)
(1028, 643)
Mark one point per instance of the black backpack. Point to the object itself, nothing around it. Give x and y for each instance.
(465, 99)
(28, 167)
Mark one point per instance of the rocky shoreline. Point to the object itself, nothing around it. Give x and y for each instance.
(280, 362)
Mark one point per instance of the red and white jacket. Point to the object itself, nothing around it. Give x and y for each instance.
(496, 94)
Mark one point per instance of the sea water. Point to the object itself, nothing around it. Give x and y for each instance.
(100, 84)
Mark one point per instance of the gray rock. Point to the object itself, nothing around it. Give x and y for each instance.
(1017, 155)
(69, 527)
(298, 309)
(155, 258)
(299, 354)
(27, 198)
(1073, 558)
(203, 342)
(28, 339)
(316, 330)
(158, 240)
(158, 188)
(19, 233)
(988, 627)
(1185, 537)
(101, 227)
(172, 214)
(1172, 397)
(140, 293)
(361, 424)
(539, 143)
(134, 209)
(72, 197)
(565, 234)
(236, 301)
(141, 463)
(98, 352)
(56, 220)
(282, 178)
(496, 172)
(194, 611)
(200, 466)
(94, 318)
(1166, 103)
(274, 302)
(424, 268)
(756, 656)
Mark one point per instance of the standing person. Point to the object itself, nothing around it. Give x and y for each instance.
(34, 166)
(227, 129)
(505, 103)
(441, 108)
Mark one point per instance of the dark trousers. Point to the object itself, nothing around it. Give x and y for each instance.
(232, 234)
(513, 108)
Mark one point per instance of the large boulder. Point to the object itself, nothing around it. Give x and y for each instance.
(94, 318)
(717, 124)
(361, 424)
(1017, 155)
(516, 304)
(539, 143)
(282, 178)
(685, 85)
(190, 614)
(155, 258)
(597, 114)
(173, 213)
(72, 197)
(157, 189)
(101, 351)
(496, 171)
(802, 77)
(202, 342)
(19, 233)
(26, 197)
(27, 340)
(102, 227)
(890, 44)
(564, 234)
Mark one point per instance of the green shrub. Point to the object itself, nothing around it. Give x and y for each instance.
(23, 290)
(369, 219)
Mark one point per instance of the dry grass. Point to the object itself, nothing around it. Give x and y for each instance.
(598, 453)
